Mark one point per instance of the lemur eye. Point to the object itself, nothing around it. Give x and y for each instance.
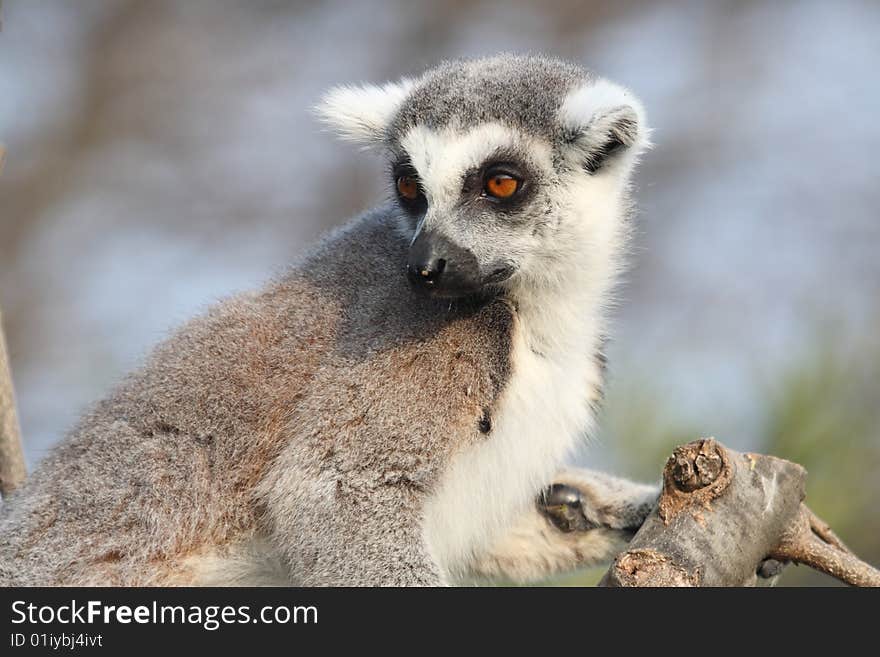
(408, 187)
(501, 185)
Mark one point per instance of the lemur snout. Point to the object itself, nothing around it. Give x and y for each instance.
(439, 267)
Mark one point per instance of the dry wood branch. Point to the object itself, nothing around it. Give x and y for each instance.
(811, 542)
(12, 466)
(722, 515)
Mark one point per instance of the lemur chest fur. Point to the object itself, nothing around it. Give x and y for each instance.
(540, 415)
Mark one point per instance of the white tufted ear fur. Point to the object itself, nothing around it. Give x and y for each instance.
(604, 121)
(361, 113)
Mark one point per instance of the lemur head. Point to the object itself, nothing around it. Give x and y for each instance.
(507, 172)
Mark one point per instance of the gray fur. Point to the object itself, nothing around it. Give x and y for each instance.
(520, 90)
(309, 413)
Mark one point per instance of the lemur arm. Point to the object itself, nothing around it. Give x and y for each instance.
(583, 519)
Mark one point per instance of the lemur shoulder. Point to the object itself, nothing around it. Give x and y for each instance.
(387, 411)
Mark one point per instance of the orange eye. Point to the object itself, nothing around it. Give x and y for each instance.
(408, 187)
(502, 186)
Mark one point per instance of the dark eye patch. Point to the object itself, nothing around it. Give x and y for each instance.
(403, 168)
(500, 163)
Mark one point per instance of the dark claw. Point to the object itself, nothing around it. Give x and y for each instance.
(562, 505)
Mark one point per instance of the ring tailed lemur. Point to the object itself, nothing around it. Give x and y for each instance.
(385, 412)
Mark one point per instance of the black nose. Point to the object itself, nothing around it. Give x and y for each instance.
(438, 266)
(428, 271)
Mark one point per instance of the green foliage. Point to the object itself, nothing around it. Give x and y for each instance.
(642, 430)
(824, 413)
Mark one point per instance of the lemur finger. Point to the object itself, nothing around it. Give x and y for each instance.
(582, 499)
(563, 506)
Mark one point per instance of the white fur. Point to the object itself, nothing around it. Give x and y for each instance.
(534, 548)
(596, 99)
(441, 176)
(442, 156)
(545, 408)
(543, 411)
(362, 113)
(595, 112)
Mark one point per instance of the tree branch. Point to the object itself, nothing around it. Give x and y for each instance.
(722, 515)
(12, 466)
(810, 541)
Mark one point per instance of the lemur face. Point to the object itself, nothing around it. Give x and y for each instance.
(500, 169)
(475, 200)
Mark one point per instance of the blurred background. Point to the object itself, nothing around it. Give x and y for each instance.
(161, 155)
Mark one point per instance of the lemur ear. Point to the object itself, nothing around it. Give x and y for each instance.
(605, 124)
(361, 113)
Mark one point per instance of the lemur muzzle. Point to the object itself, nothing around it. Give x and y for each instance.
(439, 267)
